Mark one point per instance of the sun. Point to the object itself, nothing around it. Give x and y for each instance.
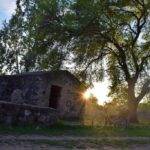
(100, 91)
(87, 94)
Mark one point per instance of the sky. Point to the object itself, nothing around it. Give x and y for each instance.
(100, 91)
(7, 8)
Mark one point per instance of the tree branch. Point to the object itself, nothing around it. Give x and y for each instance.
(145, 90)
(141, 21)
(123, 61)
(100, 56)
(141, 66)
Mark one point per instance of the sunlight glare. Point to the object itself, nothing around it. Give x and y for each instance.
(87, 94)
(100, 91)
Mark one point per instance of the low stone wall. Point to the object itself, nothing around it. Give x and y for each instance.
(17, 114)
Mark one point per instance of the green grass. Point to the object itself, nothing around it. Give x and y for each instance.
(79, 130)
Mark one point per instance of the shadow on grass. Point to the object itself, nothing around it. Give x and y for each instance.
(79, 130)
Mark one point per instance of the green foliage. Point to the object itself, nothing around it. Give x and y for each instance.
(92, 112)
(29, 39)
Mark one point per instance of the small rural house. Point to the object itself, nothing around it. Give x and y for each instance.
(59, 90)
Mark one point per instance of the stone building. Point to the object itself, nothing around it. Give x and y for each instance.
(59, 90)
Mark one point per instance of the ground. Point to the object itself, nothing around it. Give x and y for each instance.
(40, 142)
(63, 137)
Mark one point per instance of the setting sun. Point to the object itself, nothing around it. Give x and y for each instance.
(99, 90)
(87, 94)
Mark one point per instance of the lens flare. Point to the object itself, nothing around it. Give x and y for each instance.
(87, 94)
(99, 90)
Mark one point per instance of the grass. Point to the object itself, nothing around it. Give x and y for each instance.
(79, 130)
(87, 131)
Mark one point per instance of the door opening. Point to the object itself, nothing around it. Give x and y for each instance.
(54, 96)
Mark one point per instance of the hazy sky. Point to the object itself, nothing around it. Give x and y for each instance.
(7, 7)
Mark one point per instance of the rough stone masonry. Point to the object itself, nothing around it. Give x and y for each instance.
(57, 90)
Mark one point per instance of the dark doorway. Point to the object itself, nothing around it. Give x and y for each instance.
(54, 96)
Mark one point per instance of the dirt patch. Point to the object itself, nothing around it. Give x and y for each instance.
(28, 146)
(41, 142)
(38, 146)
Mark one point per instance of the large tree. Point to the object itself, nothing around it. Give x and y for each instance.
(117, 31)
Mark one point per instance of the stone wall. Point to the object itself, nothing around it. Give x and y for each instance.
(35, 89)
(16, 114)
(70, 104)
(22, 89)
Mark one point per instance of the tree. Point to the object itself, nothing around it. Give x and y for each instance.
(2, 52)
(41, 21)
(92, 111)
(26, 46)
(12, 42)
(117, 31)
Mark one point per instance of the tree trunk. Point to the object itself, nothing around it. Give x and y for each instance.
(132, 111)
(132, 102)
